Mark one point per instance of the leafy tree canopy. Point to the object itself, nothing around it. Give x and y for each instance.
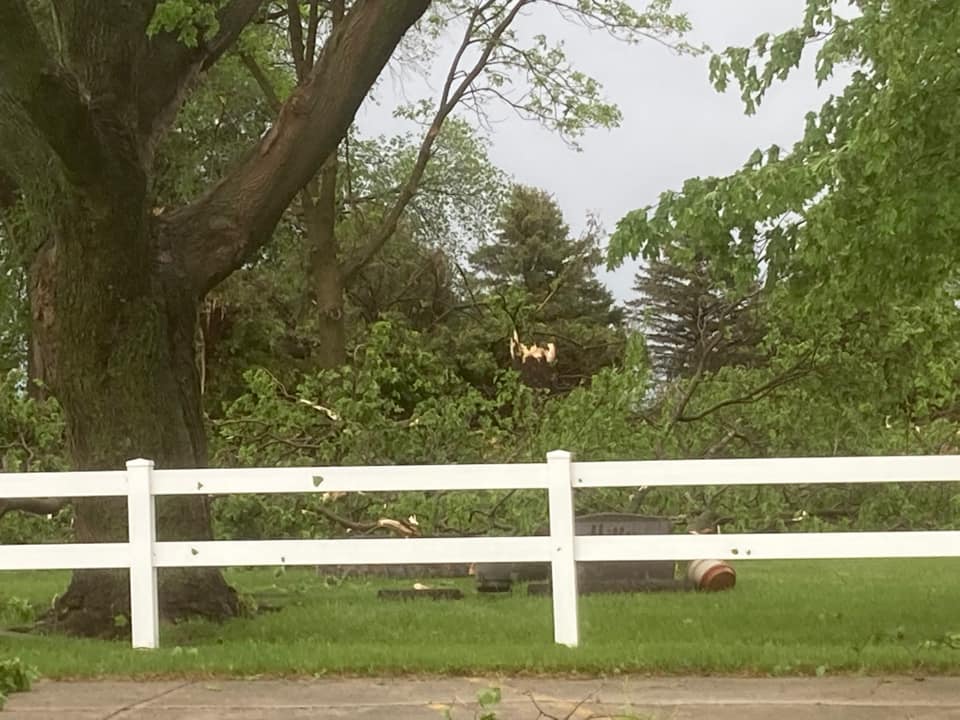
(863, 205)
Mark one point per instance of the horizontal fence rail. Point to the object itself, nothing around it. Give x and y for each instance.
(776, 546)
(419, 551)
(768, 471)
(349, 479)
(140, 483)
(73, 484)
(76, 556)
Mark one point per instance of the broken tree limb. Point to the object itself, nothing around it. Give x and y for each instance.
(35, 506)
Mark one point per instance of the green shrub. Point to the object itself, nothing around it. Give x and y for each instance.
(14, 677)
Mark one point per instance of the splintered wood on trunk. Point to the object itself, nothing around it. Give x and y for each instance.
(115, 339)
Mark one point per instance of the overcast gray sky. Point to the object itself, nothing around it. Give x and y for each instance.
(674, 124)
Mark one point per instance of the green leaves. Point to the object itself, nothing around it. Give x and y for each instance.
(189, 19)
(401, 402)
(533, 76)
(772, 57)
(15, 676)
(488, 699)
(859, 208)
(15, 610)
(31, 431)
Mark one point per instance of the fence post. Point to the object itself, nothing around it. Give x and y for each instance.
(563, 564)
(142, 533)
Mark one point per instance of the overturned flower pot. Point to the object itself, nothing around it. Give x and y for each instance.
(711, 575)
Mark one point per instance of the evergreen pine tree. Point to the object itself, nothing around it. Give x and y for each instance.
(691, 322)
(533, 255)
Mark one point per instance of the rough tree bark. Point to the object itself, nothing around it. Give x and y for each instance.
(325, 299)
(115, 289)
(322, 305)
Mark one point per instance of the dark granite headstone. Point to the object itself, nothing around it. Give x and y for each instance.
(592, 576)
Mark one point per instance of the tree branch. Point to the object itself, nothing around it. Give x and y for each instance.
(36, 506)
(313, 22)
(263, 82)
(295, 30)
(696, 379)
(758, 393)
(169, 67)
(452, 93)
(49, 96)
(222, 229)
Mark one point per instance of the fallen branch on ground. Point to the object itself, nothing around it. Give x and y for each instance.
(36, 506)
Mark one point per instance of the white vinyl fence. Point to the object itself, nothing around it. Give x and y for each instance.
(560, 476)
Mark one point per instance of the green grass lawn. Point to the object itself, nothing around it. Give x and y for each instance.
(782, 618)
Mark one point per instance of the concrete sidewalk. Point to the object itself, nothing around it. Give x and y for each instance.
(409, 698)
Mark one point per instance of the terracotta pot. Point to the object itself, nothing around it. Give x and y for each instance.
(711, 575)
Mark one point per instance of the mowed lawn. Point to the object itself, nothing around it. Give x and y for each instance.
(783, 618)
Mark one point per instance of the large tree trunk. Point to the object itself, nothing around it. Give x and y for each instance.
(114, 291)
(114, 334)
